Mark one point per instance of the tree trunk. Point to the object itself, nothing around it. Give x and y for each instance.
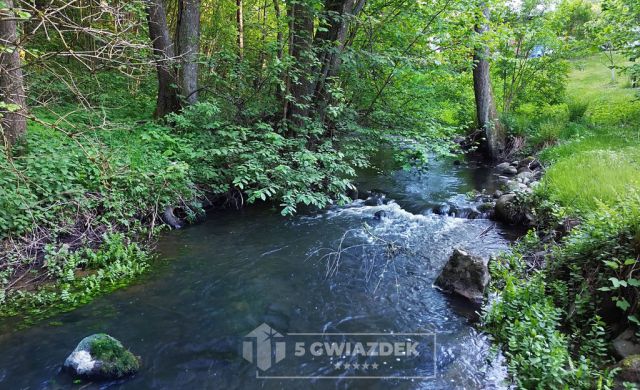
(164, 53)
(240, 21)
(279, 35)
(301, 50)
(188, 43)
(13, 123)
(487, 115)
(332, 41)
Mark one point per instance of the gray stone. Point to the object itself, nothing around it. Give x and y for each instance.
(626, 344)
(629, 370)
(526, 162)
(486, 207)
(442, 209)
(466, 275)
(510, 171)
(503, 166)
(87, 360)
(524, 169)
(506, 209)
(526, 175)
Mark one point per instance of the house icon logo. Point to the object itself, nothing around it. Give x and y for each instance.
(264, 346)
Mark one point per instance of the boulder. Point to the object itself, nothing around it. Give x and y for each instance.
(526, 176)
(486, 207)
(507, 210)
(629, 370)
(442, 209)
(466, 275)
(510, 171)
(353, 193)
(503, 166)
(376, 199)
(173, 216)
(626, 344)
(524, 169)
(380, 215)
(101, 357)
(526, 162)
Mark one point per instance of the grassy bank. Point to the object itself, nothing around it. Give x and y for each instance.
(562, 299)
(83, 199)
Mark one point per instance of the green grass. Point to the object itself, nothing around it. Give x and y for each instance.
(580, 180)
(609, 103)
(600, 159)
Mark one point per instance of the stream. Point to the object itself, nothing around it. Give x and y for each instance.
(341, 270)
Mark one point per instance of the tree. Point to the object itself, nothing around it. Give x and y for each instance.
(301, 16)
(13, 104)
(164, 53)
(240, 22)
(188, 42)
(332, 41)
(486, 113)
(615, 31)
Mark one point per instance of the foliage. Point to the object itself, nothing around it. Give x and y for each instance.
(259, 163)
(530, 65)
(584, 180)
(526, 321)
(79, 276)
(117, 361)
(598, 260)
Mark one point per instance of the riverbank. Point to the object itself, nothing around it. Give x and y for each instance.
(85, 197)
(566, 303)
(216, 281)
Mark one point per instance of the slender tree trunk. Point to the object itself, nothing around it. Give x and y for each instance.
(333, 41)
(487, 115)
(279, 34)
(301, 50)
(188, 43)
(240, 21)
(164, 53)
(13, 124)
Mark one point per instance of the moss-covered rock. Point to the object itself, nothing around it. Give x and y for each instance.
(101, 356)
(629, 370)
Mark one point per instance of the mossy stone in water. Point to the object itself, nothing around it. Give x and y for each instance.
(101, 356)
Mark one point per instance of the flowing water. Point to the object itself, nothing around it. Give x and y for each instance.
(216, 281)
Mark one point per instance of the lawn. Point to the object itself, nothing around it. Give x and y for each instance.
(601, 161)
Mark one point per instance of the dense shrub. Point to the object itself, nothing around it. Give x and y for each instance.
(598, 261)
(527, 323)
(258, 163)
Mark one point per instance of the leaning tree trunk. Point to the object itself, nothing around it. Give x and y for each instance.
(302, 24)
(333, 41)
(13, 124)
(188, 42)
(486, 113)
(164, 53)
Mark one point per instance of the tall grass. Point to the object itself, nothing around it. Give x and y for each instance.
(600, 158)
(580, 180)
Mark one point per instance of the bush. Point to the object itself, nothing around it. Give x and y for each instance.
(549, 133)
(527, 323)
(577, 109)
(598, 260)
(258, 163)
